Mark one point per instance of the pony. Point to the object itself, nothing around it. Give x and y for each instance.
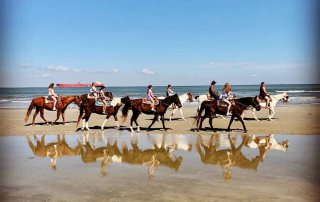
(137, 106)
(184, 98)
(275, 98)
(89, 106)
(40, 104)
(237, 108)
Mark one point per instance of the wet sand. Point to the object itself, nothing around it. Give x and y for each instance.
(192, 173)
(287, 120)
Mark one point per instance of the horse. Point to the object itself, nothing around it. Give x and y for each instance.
(40, 104)
(200, 99)
(89, 106)
(186, 97)
(137, 106)
(237, 108)
(275, 98)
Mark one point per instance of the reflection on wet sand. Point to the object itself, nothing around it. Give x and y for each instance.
(160, 150)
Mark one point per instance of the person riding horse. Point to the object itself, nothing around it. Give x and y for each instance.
(103, 98)
(151, 97)
(213, 94)
(93, 91)
(52, 95)
(169, 91)
(225, 96)
(264, 95)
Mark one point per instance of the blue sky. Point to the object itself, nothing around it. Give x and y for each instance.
(129, 43)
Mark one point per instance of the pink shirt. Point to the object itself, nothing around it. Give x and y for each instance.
(150, 94)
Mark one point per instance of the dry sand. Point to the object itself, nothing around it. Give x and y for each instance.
(287, 120)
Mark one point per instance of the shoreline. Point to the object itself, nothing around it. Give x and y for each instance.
(290, 119)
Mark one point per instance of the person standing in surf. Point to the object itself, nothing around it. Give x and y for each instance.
(52, 95)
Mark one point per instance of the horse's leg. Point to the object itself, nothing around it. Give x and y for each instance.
(173, 111)
(154, 120)
(105, 121)
(210, 122)
(202, 118)
(180, 109)
(241, 120)
(253, 111)
(230, 122)
(116, 119)
(62, 113)
(35, 114)
(58, 115)
(42, 115)
(162, 119)
(271, 113)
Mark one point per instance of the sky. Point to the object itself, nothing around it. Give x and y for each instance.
(136, 43)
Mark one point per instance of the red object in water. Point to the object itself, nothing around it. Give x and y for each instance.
(77, 85)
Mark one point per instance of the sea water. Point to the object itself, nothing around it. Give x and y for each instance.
(298, 93)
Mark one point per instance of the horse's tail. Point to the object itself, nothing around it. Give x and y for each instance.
(198, 116)
(80, 114)
(29, 111)
(125, 109)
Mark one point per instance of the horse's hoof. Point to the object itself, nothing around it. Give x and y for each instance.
(185, 119)
(269, 119)
(245, 131)
(86, 129)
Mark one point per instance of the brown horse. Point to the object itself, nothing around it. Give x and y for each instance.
(137, 106)
(88, 106)
(213, 107)
(40, 105)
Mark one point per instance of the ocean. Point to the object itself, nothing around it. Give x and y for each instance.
(298, 93)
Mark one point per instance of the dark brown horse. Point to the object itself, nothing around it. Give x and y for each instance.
(40, 105)
(88, 106)
(212, 107)
(137, 106)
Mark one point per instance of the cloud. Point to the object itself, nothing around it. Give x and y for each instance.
(115, 71)
(25, 66)
(59, 68)
(45, 75)
(147, 72)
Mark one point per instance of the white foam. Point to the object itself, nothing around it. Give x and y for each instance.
(298, 91)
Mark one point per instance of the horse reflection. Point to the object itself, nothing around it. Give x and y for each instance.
(53, 150)
(106, 154)
(226, 158)
(264, 144)
(152, 157)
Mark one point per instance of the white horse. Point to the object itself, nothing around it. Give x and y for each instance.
(184, 98)
(253, 142)
(275, 98)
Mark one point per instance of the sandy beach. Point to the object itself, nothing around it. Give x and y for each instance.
(297, 119)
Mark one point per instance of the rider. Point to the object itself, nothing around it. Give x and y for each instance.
(212, 92)
(151, 97)
(225, 96)
(52, 95)
(170, 91)
(93, 91)
(264, 95)
(103, 98)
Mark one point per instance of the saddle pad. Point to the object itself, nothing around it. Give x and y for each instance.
(89, 96)
(99, 104)
(148, 102)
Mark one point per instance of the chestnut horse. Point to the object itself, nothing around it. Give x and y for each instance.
(88, 107)
(137, 106)
(40, 105)
(238, 106)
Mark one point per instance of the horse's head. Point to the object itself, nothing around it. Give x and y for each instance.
(256, 104)
(124, 100)
(285, 98)
(108, 94)
(176, 100)
(190, 98)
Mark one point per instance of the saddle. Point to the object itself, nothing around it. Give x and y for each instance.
(148, 102)
(48, 99)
